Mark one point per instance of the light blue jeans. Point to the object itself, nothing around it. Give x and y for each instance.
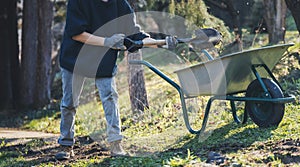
(72, 86)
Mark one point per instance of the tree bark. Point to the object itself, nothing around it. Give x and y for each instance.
(229, 7)
(136, 82)
(43, 88)
(275, 19)
(9, 64)
(294, 7)
(36, 53)
(29, 52)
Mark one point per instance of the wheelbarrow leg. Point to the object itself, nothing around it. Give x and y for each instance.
(233, 110)
(185, 113)
(182, 98)
(186, 117)
(235, 116)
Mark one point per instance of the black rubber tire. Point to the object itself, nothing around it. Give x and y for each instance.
(264, 114)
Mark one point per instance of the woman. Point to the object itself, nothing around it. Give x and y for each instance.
(84, 29)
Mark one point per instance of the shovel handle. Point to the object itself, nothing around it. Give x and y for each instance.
(154, 42)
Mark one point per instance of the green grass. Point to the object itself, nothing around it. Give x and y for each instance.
(160, 139)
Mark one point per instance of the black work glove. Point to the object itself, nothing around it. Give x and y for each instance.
(134, 42)
(115, 42)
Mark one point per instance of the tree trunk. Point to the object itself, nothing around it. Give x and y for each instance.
(36, 53)
(136, 82)
(275, 19)
(235, 22)
(29, 52)
(43, 85)
(9, 64)
(238, 44)
(234, 13)
(294, 7)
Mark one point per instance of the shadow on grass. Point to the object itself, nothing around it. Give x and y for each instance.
(223, 140)
(228, 138)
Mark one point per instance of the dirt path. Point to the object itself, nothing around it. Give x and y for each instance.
(17, 136)
(20, 134)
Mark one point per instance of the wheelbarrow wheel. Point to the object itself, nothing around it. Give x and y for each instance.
(264, 114)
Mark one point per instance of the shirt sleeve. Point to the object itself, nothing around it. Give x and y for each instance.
(76, 22)
(129, 20)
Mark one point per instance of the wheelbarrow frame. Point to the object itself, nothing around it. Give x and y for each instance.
(230, 97)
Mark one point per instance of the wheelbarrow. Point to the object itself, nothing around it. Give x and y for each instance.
(227, 77)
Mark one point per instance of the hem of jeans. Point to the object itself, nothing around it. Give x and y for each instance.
(116, 138)
(66, 143)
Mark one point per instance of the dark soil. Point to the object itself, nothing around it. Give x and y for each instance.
(288, 151)
(40, 151)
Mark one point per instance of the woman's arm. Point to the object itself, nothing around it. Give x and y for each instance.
(89, 39)
(116, 41)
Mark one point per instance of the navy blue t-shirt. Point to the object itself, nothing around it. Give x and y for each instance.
(102, 19)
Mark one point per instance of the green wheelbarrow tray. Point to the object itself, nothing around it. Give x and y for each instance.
(229, 74)
(223, 78)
